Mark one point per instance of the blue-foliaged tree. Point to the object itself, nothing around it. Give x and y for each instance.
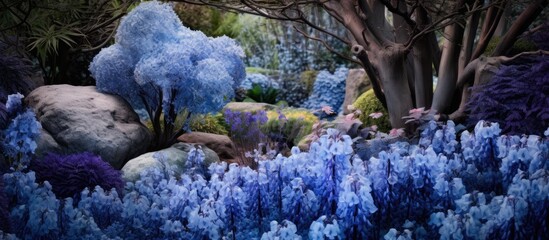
(164, 67)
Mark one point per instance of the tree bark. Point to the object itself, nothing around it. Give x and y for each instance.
(392, 72)
(493, 15)
(521, 24)
(469, 39)
(423, 70)
(448, 71)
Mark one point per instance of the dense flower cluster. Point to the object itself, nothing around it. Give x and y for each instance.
(328, 90)
(18, 140)
(489, 186)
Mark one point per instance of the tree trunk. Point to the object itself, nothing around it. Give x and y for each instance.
(423, 73)
(448, 71)
(469, 39)
(392, 72)
(422, 54)
(519, 26)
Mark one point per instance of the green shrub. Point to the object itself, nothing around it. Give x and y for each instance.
(290, 129)
(367, 103)
(308, 79)
(521, 45)
(260, 94)
(264, 71)
(209, 123)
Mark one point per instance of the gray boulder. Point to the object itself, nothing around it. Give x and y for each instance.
(248, 106)
(176, 156)
(80, 119)
(356, 84)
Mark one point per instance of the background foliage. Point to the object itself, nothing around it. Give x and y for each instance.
(60, 36)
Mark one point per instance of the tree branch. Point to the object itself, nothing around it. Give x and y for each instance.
(341, 55)
(520, 25)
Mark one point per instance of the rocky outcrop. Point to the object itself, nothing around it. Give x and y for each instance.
(220, 144)
(175, 159)
(356, 84)
(80, 119)
(248, 106)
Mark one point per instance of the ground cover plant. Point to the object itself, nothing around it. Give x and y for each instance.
(486, 186)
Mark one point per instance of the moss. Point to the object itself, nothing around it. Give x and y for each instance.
(367, 103)
(264, 71)
(521, 45)
(299, 123)
(209, 123)
(308, 78)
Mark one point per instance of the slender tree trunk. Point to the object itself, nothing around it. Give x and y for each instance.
(423, 70)
(493, 15)
(469, 38)
(423, 73)
(521, 24)
(448, 71)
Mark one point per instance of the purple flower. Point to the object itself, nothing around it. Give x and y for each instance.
(70, 174)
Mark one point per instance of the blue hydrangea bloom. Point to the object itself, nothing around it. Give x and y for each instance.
(328, 90)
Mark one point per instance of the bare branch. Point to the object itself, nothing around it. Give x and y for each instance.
(520, 25)
(341, 55)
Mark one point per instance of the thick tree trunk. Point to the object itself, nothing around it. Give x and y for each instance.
(392, 72)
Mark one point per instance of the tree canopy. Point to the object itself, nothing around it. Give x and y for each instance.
(397, 44)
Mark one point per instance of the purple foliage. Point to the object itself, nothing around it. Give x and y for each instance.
(3, 207)
(70, 174)
(540, 37)
(245, 126)
(517, 98)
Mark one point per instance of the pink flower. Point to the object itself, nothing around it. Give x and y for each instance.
(395, 132)
(376, 115)
(350, 117)
(328, 110)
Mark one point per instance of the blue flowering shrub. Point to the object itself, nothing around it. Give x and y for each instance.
(161, 66)
(260, 79)
(328, 90)
(18, 138)
(484, 186)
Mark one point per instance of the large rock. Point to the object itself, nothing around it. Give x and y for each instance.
(80, 119)
(356, 84)
(221, 144)
(176, 156)
(249, 106)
